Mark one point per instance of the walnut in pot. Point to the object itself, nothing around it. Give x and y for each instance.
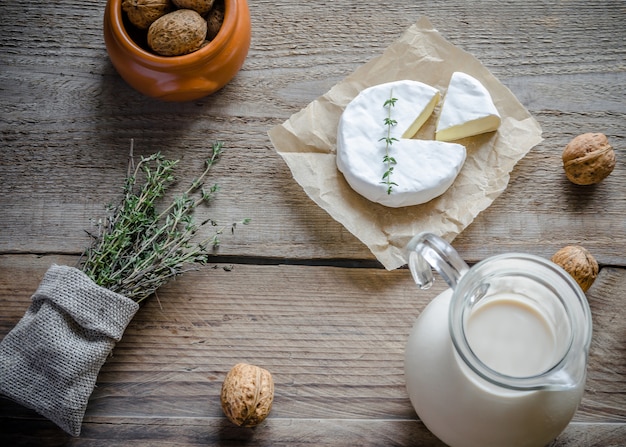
(579, 263)
(215, 18)
(200, 6)
(588, 159)
(247, 394)
(176, 33)
(142, 13)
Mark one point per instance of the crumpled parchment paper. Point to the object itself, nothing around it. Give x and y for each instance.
(307, 143)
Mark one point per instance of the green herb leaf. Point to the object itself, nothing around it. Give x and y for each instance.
(138, 249)
(389, 140)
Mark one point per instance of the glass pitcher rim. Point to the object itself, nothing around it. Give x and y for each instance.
(550, 378)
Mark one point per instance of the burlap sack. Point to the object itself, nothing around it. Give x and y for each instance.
(50, 360)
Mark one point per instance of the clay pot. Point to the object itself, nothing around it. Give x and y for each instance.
(178, 78)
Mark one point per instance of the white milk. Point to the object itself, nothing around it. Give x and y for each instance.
(511, 337)
(464, 410)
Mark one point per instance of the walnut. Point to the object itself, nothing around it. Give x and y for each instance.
(215, 20)
(588, 159)
(247, 394)
(579, 263)
(142, 13)
(179, 32)
(200, 6)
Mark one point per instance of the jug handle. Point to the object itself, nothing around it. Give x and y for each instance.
(426, 251)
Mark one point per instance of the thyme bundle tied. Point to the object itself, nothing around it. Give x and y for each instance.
(137, 248)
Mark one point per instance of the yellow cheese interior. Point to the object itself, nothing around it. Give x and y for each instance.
(469, 128)
(422, 117)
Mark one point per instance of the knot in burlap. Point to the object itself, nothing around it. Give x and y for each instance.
(50, 360)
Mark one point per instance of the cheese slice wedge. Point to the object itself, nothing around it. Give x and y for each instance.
(424, 169)
(467, 110)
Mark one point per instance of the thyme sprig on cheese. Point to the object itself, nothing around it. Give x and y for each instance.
(141, 245)
(388, 160)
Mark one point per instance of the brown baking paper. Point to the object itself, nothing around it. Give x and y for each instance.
(307, 143)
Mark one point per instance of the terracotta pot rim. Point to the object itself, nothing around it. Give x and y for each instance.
(208, 51)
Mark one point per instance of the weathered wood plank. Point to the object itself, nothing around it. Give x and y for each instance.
(154, 432)
(67, 119)
(332, 337)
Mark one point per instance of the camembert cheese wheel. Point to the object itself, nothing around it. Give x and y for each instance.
(424, 169)
(467, 110)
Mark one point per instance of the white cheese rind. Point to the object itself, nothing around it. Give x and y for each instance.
(467, 110)
(424, 170)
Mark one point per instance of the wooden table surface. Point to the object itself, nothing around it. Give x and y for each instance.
(294, 291)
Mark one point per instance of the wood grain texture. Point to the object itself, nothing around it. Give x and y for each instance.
(333, 339)
(295, 292)
(157, 432)
(67, 119)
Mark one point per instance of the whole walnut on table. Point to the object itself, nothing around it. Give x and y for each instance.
(579, 263)
(247, 394)
(588, 159)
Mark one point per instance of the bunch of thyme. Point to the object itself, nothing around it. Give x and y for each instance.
(388, 160)
(138, 248)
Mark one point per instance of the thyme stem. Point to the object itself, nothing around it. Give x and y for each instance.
(138, 249)
(388, 160)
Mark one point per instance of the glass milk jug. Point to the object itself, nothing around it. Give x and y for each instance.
(499, 358)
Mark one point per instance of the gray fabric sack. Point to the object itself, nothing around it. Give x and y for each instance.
(50, 360)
